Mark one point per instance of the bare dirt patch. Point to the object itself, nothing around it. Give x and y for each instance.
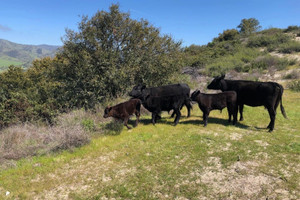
(240, 180)
(81, 175)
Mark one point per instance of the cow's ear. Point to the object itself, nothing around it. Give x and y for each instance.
(197, 92)
(223, 76)
(143, 87)
(109, 108)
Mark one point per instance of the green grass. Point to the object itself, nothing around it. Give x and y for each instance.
(220, 161)
(5, 63)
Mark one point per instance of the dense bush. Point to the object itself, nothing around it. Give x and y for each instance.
(295, 29)
(249, 26)
(292, 75)
(265, 62)
(268, 40)
(295, 86)
(289, 47)
(107, 56)
(240, 62)
(228, 35)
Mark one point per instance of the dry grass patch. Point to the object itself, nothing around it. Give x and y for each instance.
(70, 130)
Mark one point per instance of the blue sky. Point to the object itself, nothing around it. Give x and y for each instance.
(191, 21)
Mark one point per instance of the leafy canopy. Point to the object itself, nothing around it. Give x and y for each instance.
(110, 53)
(249, 26)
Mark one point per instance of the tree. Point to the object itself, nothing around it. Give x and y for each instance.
(249, 26)
(112, 52)
(227, 35)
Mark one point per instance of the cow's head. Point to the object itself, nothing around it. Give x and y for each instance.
(216, 84)
(195, 94)
(137, 91)
(107, 112)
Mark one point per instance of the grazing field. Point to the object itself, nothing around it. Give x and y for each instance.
(186, 161)
(4, 63)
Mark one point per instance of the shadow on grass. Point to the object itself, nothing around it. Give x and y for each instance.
(211, 120)
(113, 128)
(260, 128)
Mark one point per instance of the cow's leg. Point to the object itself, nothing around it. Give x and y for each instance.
(126, 121)
(235, 112)
(241, 107)
(173, 114)
(153, 120)
(157, 117)
(229, 109)
(188, 106)
(272, 117)
(137, 114)
(205, 117)
(178, 114)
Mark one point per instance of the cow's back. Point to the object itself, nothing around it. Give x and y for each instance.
(170, 90)
(253, 93)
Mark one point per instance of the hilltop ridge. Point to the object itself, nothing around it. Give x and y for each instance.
(22, 55)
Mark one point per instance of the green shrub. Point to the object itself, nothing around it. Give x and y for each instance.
(292, 29)
(240, 62)
(295, 86)
(107, 56)
(266, 62)
(230, 34)
(290, 47)
(292, 75)
(88, 125)
(264, 40)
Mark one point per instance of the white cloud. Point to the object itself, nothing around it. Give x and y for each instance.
(4, 28)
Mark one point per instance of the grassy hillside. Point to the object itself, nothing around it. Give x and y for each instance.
(6, 61)
(262, 52)
(19, 54)
(186, 161)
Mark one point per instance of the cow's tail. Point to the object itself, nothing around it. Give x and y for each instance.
(189, 103)
(279, 99)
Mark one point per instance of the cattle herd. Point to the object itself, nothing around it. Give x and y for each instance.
(235, 94)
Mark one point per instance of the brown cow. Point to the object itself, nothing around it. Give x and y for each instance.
(123, 111)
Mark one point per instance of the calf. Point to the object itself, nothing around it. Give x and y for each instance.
(123, 111)
(208, 102)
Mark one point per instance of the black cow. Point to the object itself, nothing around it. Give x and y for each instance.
(123, 111)
(252, 93)
(163, 98)
(208, 102)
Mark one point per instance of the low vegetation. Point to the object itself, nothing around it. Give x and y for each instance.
(295, 85)
(54, 143)
(168, 162)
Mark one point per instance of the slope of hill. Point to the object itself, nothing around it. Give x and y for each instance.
(187, 161)
(268, 50)
(22, 55)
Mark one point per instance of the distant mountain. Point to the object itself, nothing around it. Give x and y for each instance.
(23, 55)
